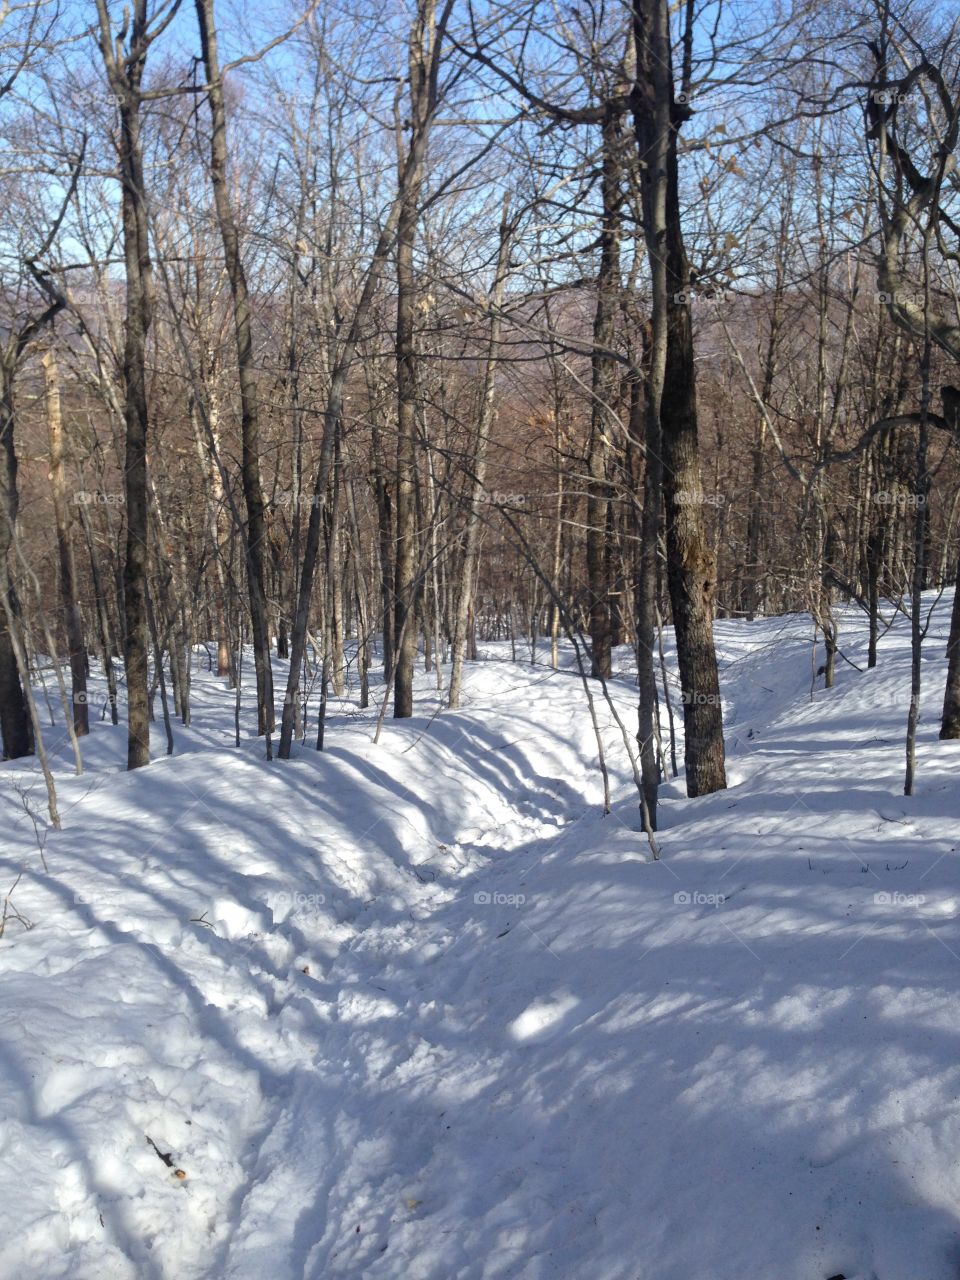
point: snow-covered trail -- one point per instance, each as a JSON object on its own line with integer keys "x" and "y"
{"x": 418, "y": 1012}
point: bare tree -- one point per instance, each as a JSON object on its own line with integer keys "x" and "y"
{"x": 255, "y": 532}
{"x": 73, "y": 622}
{"x": 691, "y": 566}
{"x": 124, "y": 54}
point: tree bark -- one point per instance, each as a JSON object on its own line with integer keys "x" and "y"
{"x": 477, "y": 482}
{"x": 646, "y": 418}
{"x": 604, "y": 394}
{"x": 256, "y": 528}
{"x": 14, "y": 712}
{"x": 406, "y": 583}
{"x": 73, "y": 623}
{"x": 950, "y": 719}
{"x": 691, "y": 566}
{"x": 125, "y": 74}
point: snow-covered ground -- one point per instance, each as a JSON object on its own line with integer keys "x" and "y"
{"x": 418, "y": 1011}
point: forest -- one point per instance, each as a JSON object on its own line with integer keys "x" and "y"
{"x": 498, "y": 324}
{"x": 377, "y": 381}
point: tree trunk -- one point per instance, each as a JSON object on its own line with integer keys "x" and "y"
{"x": 478, "y": 468}
{"x": 950, "y": 719}
{"x": 139, "y": 311}
{"x": 647, "y": 413}
{"x": 921, "y": 491}
{"x": 604, "y": 396}
{"x": 125, "y": 70}
{"x": 108, "y": 645}
{"x": 14, "y": 712}
{"x": 256, "y": 530}
{"x": 73, "y": 623}
{"x": 691, "y": 567}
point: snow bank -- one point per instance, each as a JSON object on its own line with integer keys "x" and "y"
{"x": 419, "y": 1012}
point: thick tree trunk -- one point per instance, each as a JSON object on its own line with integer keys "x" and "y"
{"x": 691, "y": 566}
{"x": 138, "y": 318}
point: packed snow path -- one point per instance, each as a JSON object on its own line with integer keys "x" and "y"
{"x": 417, "y": 1011}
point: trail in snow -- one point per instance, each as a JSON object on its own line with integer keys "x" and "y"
{"x": 419, "y": 1012}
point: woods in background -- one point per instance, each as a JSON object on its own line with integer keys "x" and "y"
{"x": 361, "y": 338}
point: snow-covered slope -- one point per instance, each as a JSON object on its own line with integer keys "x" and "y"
{"x": 417, "y": 1011}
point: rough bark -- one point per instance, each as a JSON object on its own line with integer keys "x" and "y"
{"x": 406, "y": 581}
{"x": 691, "y": 566}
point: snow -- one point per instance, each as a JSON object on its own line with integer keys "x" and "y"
{"x": 418, "y": 1011}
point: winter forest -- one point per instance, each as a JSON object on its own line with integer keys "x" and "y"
{"x": 479, "y": 648}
